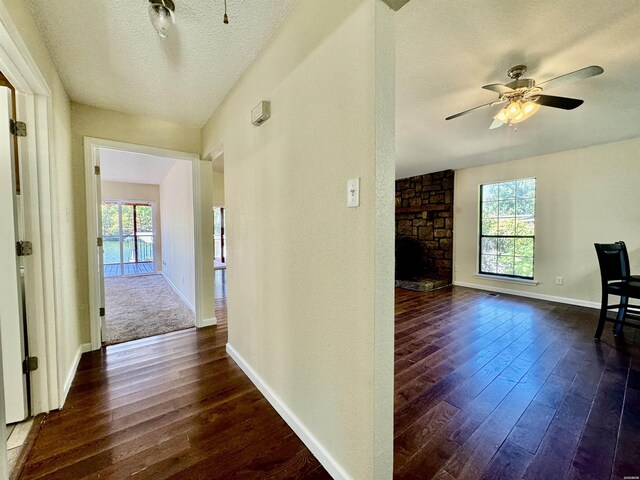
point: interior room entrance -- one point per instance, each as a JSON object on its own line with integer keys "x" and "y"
{"x": 146, "y": 212}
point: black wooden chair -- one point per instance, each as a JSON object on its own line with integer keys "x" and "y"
{"x": 617, "y": 280}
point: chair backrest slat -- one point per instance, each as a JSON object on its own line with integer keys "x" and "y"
{"x": 613, "y": 260}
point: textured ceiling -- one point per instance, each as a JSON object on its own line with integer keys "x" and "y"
{"x": 129, "y": 167}
{"x": 108, "y": 54}
{"x": 446, "y": 51}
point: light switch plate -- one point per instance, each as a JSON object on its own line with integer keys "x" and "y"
{"x": 353, "y": 192}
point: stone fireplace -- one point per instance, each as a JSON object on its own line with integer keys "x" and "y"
{"x": 424, "y": 230}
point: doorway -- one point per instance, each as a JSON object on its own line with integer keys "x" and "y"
{"x": 129, "y": 238}
{"x": 219, "y": 239}
{"x": 178, "y": 252}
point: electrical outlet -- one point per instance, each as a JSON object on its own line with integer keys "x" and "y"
{"x": 559, "y": 280}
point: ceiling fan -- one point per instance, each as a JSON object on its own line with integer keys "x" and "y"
{"x": 523, "y": 97}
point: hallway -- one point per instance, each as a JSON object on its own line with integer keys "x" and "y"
{"x": 174, "y": 405}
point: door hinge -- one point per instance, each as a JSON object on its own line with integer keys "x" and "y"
{"x": 96, "y": 169}
{"x": 103, "y": 312}
{"x": 19, "y": 129}
{"x": 29, "y": 364}
{"x": 100, "y": 242}
{"x": 24, "y": 249}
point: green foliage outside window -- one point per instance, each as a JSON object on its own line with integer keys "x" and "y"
{"x": 144, "y": 235}
{"x": 507, "y": 228}
{"x": 110, "y": 221}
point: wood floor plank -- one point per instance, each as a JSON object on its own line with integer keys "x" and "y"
{"x": 503, "y": 387}
{"x": 492, "y": 387}
{"x": 172, "y": 405}
{"x": 414, "y": 437}
{"x": 627, "y": 458}
{"x": 510, "y": 462}
{"x": 479, "y": 449}
{"x": 446, "y": 376}
{"x": 532, "y": 426}
{"x": 596, "y": 449}
{"x": 557, "y": 449}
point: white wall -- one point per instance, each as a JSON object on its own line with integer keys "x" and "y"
{"x": 139, "y": 192}
{"x": 583, "y": 197}
{"x": 310, "y": 281}
{"x": 178, "y": 254}
{"x": 218, "y": 189}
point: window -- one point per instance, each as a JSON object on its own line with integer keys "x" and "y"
{"x": 507, "y": 228}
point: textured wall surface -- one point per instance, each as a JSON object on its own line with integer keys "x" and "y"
{"x": 178, "y": 254}
{"x": 582, "y": 197}
{"x": 307, "y": 286}
{"x": 424, "y": 213}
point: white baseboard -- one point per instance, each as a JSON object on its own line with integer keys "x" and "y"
{"x": 323, "y": 456}
{"x": 175, "y": 289}
{"x": 85, "y": 347}
{"x": 538, "y": 296}
{"x": 208, "y": 322}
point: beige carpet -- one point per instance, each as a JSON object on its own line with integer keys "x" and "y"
{"x": 143, "y": 306}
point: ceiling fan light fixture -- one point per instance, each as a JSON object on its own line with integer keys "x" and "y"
{"x": 502, "y": 116}
{"x": 517, "y": 111}
{"x": 513, "y": 110}
{"x": 530, "y": 108}
{"x": 524, "y": 97}
{"x": 162, "y": 15}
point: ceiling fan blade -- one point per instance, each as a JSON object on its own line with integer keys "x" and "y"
{"x": 474, "y": 108}
{"x": 498, "y": 88}
{"x": 581, "y": 74}
{"x": 558, "y": 102}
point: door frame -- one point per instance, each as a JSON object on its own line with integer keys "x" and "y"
{"x": 203, "y": 225}
{"x": 34, "y": 106}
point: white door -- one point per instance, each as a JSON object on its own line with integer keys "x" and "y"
{"x": 11, "y": 307}
{"x": 4, "y": 471}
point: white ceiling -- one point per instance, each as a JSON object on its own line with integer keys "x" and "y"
{"x": 108, "y": 54}
{"x": 447, "y": 50}
{"x": 128, "y": 167}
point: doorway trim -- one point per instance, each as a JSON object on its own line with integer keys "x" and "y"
{"x": 203, "y": 250}
{"x": 34, "y": 106}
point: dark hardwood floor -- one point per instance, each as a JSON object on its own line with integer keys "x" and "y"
{"x": 501, "y": 387}
{"x": 487, "y": 387}
{"x": 172, "y": 406}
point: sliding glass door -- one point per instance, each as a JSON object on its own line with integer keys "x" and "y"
{"x": 128, "y": 238}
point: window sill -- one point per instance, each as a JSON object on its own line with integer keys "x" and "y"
{"x": 505, "y": 279}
